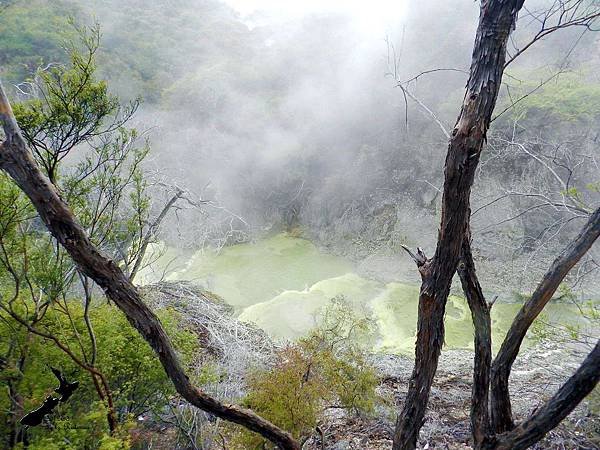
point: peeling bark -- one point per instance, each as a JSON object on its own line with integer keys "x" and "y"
{"x": 497, "y": 19}
{"x": 17, "y": 161}
{"x": 480, "y": 312}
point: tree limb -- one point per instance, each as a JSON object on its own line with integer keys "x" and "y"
{"x": 151, "y": 232}
{"x": 17, "y": 161}
{"x": 497, "y": 20}
{"x": 424, "y": 107}
{"x": 500, "y": 400}
{"x": 556, "y": 409}
{"x": 567, "y": 15}
{"x": 480, "y": 312}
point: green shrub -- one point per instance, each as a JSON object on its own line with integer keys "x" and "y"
{"x": 136, "y": 377}
{"x": 327, "y": 369}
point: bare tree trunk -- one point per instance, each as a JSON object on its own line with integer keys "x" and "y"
{"x": 581, "y": 384}
{"x": 556, "y": 409}
{"x": 502, "y": 419}
{"x": 480, "y": 312}
{"x": 496, "y": 21}
{"x": 18, "y": 162}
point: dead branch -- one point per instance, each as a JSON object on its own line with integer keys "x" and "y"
{"x": 501, "y": 409}
{"x": 562, "y": 14}
{"x": 556, "y": 409}
{"x": 17, "y": 161}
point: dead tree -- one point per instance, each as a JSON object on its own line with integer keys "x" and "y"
{"x": 16, "y": 159}
{"x": 492, "y": 427}
{"x": 500, "y": 401}
{"x": 497, "y": 19}
{"x": 492, "y": 422}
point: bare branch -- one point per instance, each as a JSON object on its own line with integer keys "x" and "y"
{"x": 419, "y": 259}
{"x": 557, "y": 408}
{"x": 424, "y": 107}
{"x": 151, "y": 232}
{"x": 501, "y": 408}
{"x": 18, "y": 162}
{"x": 562, "y": 14}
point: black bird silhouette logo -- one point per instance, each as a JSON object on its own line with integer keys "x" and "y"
{"x": 36, "y": 416}
{"x": 65, "y": 389}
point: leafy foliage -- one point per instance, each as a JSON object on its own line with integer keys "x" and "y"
{"x": 567, "y": 97}
{"x": 66, "y": 106}
{"x": 32, "y": 36}
{"x": 135, "y": 375}
{"x": 324, "y": 370}
{"x": 50, "y": 313}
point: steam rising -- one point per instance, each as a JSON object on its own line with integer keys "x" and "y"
{"x": 285, "y": 114}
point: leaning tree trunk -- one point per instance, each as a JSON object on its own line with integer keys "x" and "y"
{"x": 482, "y": 323}
{"x": 485, "y": 423}
{"x": 497, "y": 19}
{"x": 554, "y": 410}
{"x": 501, "y": 413}
{"x": 17, "y": 161}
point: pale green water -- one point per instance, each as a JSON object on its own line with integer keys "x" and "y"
{"x": 282, "y": 282}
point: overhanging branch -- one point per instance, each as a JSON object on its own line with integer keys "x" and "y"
{"x": 17, "y": 161}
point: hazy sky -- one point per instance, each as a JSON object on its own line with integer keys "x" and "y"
{"x": 373, "y": 16}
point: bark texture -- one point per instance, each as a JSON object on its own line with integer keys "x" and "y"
{"x": 555, "y": 410}
{"x": 533, "y": 429}
{"x": 17, "y": 161}
{"x": 480, "y": 312}
{"x": 502, "y": 419}
{"x": 497, "y": 19}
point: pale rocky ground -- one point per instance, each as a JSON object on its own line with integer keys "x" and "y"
{"x": 536, "y": 375}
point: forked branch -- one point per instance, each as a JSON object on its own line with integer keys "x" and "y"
{"x": 501, "y": 408}
{"x": 556, "y": 409}
{"x": 17, "y": 161}
{"x": 562, "y": 14}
